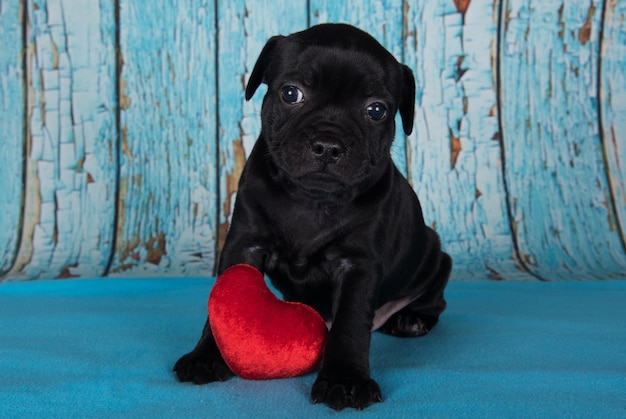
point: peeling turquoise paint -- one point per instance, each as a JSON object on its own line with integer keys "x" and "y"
{"x": 554, "y": 162}
{"x": 137, "y": 129}
{"x": 168, "y": 184}
{"x": 455, "y": 158}
{"x": 70, "y": 134}
{"x": 613, "y": 104}
{"x": 11, "y": 137}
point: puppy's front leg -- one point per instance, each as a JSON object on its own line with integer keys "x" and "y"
{"x": 344, "y": 378}
{"x": 204, "y": 364}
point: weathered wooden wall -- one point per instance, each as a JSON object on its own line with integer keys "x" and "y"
{"x": 123, "y": 129}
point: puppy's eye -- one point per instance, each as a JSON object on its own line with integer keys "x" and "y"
{"x": 376, "y": 111}
{"x": 291, "y": 95}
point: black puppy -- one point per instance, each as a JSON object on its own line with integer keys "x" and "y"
{"x": 323, "y": 211}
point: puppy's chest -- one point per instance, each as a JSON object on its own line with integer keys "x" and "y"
{"x": 304, "y": 248}
{"x": 302, "y": 274}
{"x": 297, "y": 253}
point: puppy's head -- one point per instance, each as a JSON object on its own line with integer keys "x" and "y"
{"x": 328, "y": 115}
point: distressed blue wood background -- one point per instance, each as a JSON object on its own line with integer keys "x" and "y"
{"x": 123, "y": 129}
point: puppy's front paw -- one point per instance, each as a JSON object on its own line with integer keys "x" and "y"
{"x": 201, "y": 368}
{"x": 345, "y": 390}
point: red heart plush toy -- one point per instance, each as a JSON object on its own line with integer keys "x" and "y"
{"x": 260, "y": 336}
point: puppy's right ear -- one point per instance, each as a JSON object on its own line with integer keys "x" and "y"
{"x": 259, "y": 73}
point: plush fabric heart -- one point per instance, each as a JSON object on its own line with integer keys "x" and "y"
{"x": 260, "y": 336}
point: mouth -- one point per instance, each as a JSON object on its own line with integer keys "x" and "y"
{"x": 320, "y": 184}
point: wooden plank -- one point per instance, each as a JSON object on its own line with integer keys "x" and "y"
{"x": 613, "y": 102}
{"x": 555, "y": 171}
{"x": 455, "y": 154}
{"x": 11, "y": 125}
{"x": 243, "y": 29}
{"x": 383, "y": 20}
{"x": 168, "y": 181}
{"x": 70, "y": 166}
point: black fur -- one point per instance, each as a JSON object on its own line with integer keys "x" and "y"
{"x": 323, "y": 211}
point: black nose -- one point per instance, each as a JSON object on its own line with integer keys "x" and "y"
{"x": 327, "y": 150}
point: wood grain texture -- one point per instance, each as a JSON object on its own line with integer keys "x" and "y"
{"x": 455, "y": 155}
{"x": 11, "y": 130}
{"x": 70, "y": 166}
{"x": 518, "y": 153}
{"x": 383, "y": 20}
{"x": 243, "y": 29}
{"x": 560, "y": 197}
{"x": 613, "y": 102}
{"x": 167, "y": 202}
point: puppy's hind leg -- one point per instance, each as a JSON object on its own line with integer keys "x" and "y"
{"x": 419, "y": 317}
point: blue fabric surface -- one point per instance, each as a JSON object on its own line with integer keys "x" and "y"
{"x": 105, "y": 347}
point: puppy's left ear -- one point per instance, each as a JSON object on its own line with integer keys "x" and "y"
{"x": 259, "y": 73}
{"x": 407, "y": 99}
